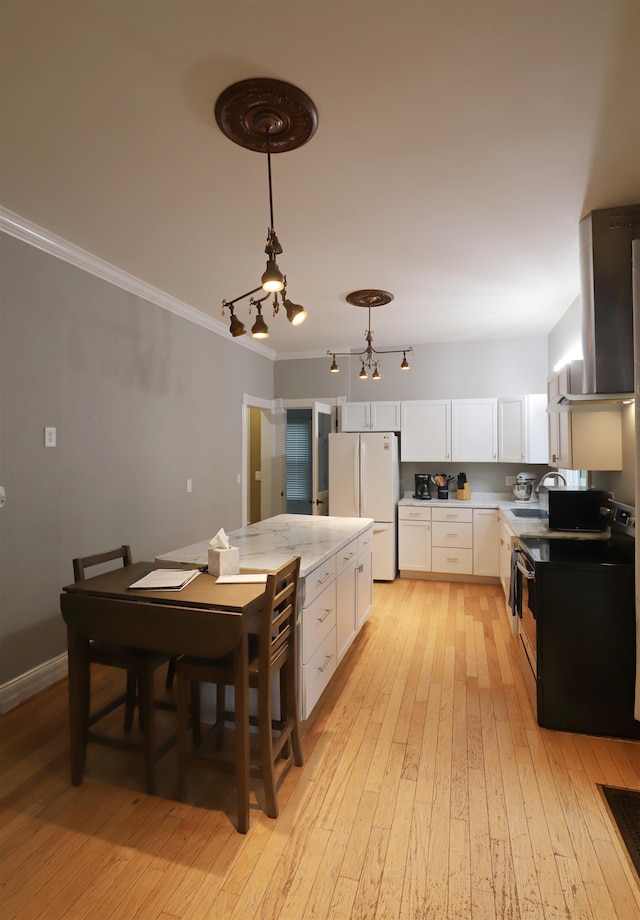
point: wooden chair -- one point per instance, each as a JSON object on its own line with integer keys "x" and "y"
{"x": 273, "y": 652}
{"x": 140, "y": 666}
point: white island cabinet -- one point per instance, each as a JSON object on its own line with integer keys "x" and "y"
{"x": 331, "y": 610}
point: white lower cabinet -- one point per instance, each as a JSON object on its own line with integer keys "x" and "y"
{"x": 486, "y": 542}
{"x": 414, "y": 538}
{"x": 338, "y": 596}
{"x": 346, "y": 597}
{"x": 318, "y": 671}
{"x": 364, "y": 579}
{"x": 452, "y": 540}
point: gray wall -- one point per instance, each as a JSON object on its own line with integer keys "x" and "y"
{"x": 141, "y": 399}
{"x": 454, "y": 370}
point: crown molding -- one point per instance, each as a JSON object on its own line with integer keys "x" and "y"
{"x": 23, "y": 229}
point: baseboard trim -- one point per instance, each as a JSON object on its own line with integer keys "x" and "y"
{"x": 21, "y": 688}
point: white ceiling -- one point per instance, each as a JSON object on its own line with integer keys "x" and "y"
{"x": 458, "y": 145}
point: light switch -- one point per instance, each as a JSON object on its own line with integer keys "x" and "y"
{"x": 50, "y": 437}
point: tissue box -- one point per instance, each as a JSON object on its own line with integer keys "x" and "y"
{"x": 224, "y": 561}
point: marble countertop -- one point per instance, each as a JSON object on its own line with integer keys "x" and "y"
{"x": 477, "y": 500}
{"x": 269, "y": 544}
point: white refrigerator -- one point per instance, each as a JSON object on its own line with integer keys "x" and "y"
{"x": 364, "y": 481}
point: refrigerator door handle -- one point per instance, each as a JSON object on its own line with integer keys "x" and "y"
{"x": 363, "y": 493}
{"x": 356, "y": 454}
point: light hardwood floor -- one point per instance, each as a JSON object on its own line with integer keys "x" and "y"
{"x": 428, "y": 791}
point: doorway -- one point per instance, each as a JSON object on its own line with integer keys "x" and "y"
{"x": 264, "y": 457}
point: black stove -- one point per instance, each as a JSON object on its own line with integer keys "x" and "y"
{"x": 577, "y": 628}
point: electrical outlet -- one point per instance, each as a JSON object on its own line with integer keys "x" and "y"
{"x": 50, "y": 437}
{"x": 510, "y": 480}
{"x": 189, "y": 485}
{"x": 2, "y": 496}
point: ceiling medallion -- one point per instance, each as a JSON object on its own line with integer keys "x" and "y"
{"x": 368, "y": 298}
{"x": 253, "y": 110}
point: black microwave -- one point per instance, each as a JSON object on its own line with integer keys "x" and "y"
{"x": 573, "y": 509}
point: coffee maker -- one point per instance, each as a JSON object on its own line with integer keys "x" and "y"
{"x": 423, "y": 481}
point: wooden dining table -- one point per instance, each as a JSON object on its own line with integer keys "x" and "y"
{"x": 203, "y": 619}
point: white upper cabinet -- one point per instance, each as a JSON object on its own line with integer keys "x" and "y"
{"x": 474, "y": 430}
{"x": 590, "y": 440}
{"x": 370, "y": 416}
{"x": 425, "y": 432}
{"x": 523, "y": 429}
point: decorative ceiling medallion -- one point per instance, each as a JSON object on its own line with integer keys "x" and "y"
{"x": 370, "y": 297}
{"x": 249, "y": 111}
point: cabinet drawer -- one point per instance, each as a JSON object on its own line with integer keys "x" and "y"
{"x": 317, "y": 581}
{"x": 451, "y": 534}
{"x": 411, "y": 513}
{"x": 365, "y": 541}
{"x": 346, "y": 556}
{"x": 452, "y": 560}
{"x": 318, "y": 671}
{"x": 464, "y": 515}
{"x": 318, "y": 619}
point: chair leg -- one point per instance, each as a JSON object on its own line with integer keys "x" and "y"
{"x": 291, "y": 710}
{"x": 266, "y": 750}
{"x": 132, "y": 699}
{"x": 171, "y": 673}
{"x": 181, "y": 747}
{"x": 196, "y": 722}
{"x": 146, "y": 702}
{"x": 220, "y": 711}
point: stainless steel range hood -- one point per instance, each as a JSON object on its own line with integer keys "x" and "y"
{"x": 607, "y": 311}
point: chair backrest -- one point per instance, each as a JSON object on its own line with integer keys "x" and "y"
{"x": 278, "y": 623}
{"x": 86, "y": 562}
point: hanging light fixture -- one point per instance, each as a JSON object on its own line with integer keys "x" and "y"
{"x": 267, "y": 116}
{"x": 370, "y": 298}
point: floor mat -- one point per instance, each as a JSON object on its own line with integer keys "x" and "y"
{"x": 625, "y": 808}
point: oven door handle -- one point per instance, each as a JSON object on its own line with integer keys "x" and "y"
{"x": 528, "y": 574}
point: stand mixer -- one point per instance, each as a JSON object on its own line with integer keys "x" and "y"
{"x": 523, "y": 488}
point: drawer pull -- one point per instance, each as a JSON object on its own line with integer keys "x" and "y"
{"x": 346, "y": 558}
{"x": 452, "y": 558}
{"x": 453, "y": 535}
{"x": 326, "y": 663}
{"x": 327, "y": 611}
{"x": 322, "y": 580}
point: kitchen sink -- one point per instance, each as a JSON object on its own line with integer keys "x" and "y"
{"x": 527, "y": 513}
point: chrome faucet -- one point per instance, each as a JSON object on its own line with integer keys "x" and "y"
{"x": 556, "y": 476}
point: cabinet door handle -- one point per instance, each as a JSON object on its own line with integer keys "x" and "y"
{"x": 326, "y": 662}
{"x": 328, "y": 610}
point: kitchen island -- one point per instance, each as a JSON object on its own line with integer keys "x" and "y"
{"x": 336, "y": 583}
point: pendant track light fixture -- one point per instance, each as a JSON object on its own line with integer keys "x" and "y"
{"x": 368, "y": 356}
{"x": 267, "y": 116}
